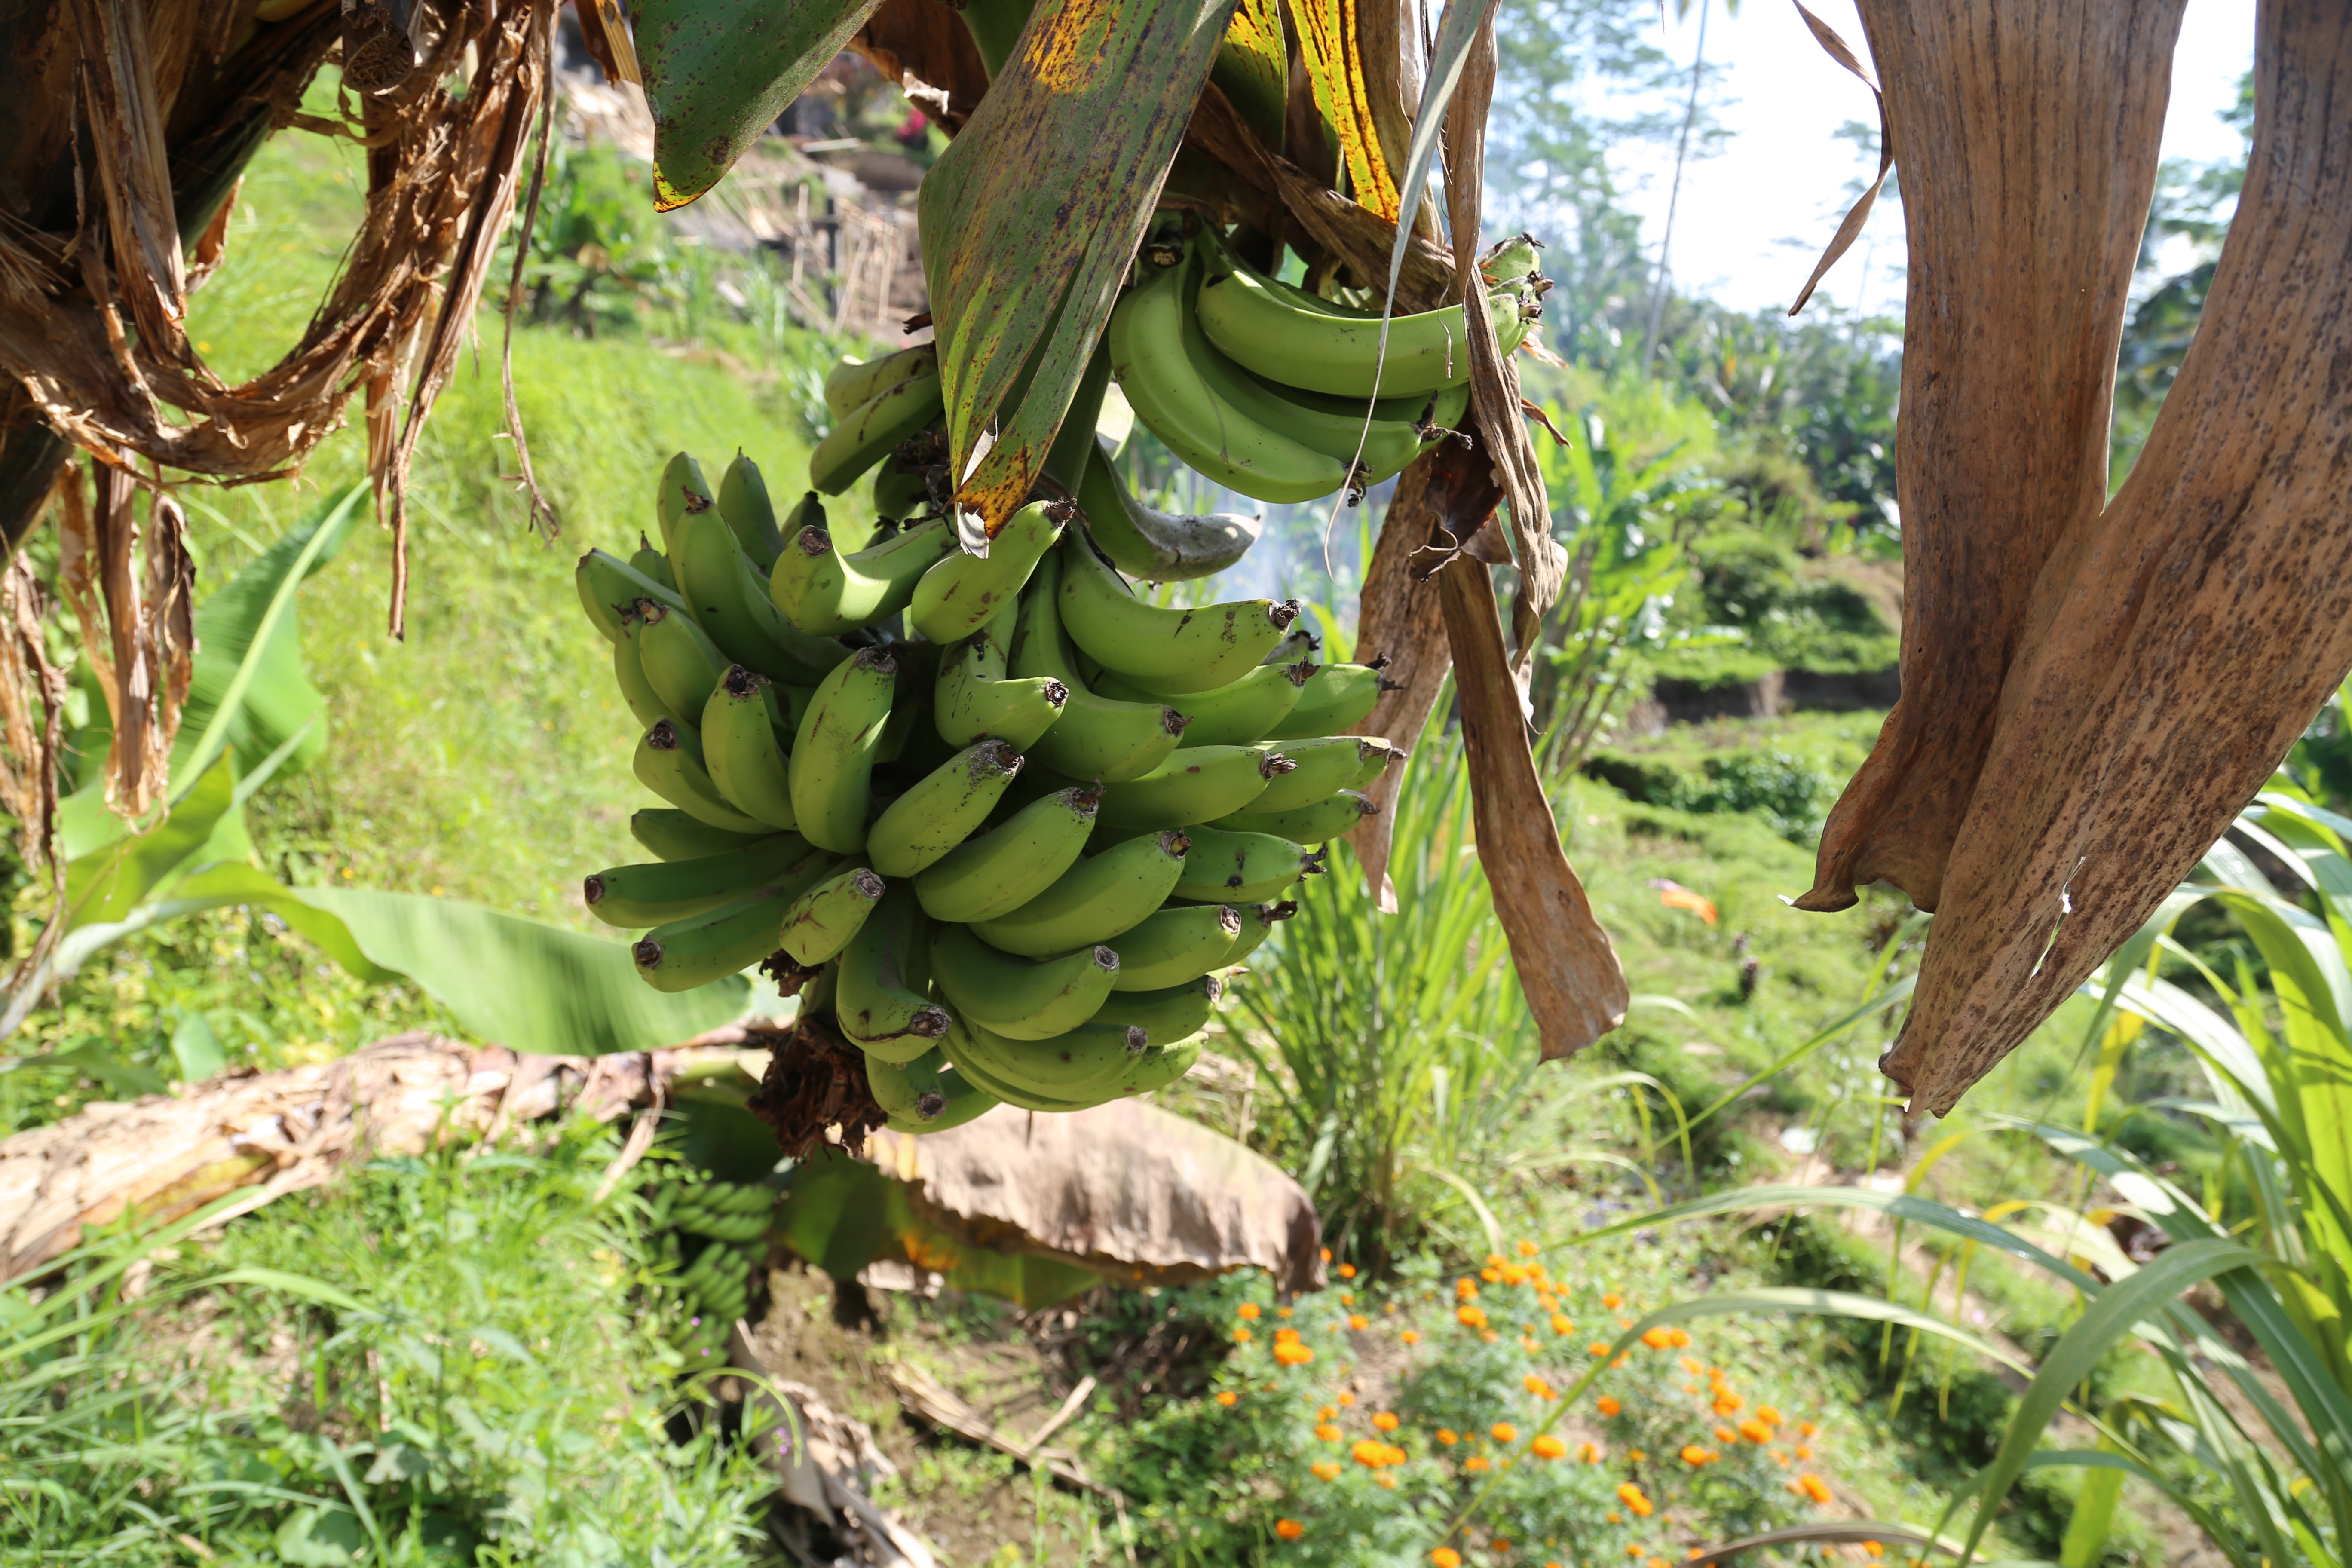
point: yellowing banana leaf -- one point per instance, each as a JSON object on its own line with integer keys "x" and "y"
{"x": 1031, "y": 217}
{"x": 1253, "y": 67}
{"x": 717, "y": 72}
{"x": 842, "y": 1214}
{"x": 1332, "y": 44}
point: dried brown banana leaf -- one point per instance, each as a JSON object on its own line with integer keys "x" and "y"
{"x": 2029, "y": 156}
{"x": 1399, "y": 621}
{"x": 2177, "y": 645}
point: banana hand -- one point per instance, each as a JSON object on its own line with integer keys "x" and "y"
{"x": 1171, "y": 650}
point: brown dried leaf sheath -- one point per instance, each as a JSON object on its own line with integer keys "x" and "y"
{"x": 2175, "y": 645}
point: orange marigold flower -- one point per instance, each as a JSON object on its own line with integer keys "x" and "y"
{"x": 1624, "y": 1322}
{"x": 1387, "y": 1481}
{"x": 1369, "y": 1453}
{"x": 1346, "y": 1400}
{"x": 1464, "y": 1289}
{"x": 1513, "y": 1274}
{"x": 1448, "y": 1435}
{"x": 1491, "y": 1275}
{"x": 1289, "y": 1529}
{"x": 1682, "y": 1337}
{"x": 1620, "y": 1519}
{"x": 1607, "y": 1404}
{"x": 1248, "y": 1309}
{"x": 1621, "y": 1360}
{"x": 1690, "y": 1388}
{"x": 1694, "y": 1455}
{"x": 1292, "y": 1353}
{"x": 1324, "y": 1470}
{"x": 1804, "y": 1451}
{"x": 1286, "y": 1336}
{"x": 1689, "y": 1365}
{"x": 1537, "y": 1386}
{"x": 1411, "y": 1336}
{"x": 1329, "y": 1432}
{"x": 1471, "y": 1317}
{"x": 1243, "y": 1336}
{"x": 1656, "y": 1562}
{"x": 1597, "y": 1348}
{"x": 1503, "y": 1432}
{"x": 1726, "y": 1401}
{"x": 1874, "y": 1548}
{"x": 1346, "y": 1297}
{"x": 1659, "y": 1339}
{"x": 1228, "y": 1398}
{"x": 1327, "y": 1254}
{"x": 1475, "y": 1463}
{"x": 1384, "y": 1422}
{"x": 1397, "y": 1456}
{"x": 1806, "y": 1428}
{"x": 1768, "y": 1415}
{"x": 1490, "y": 1336}
{"x": 1612, "y": 1300}
{"x": 1755, "y": 1431}
{"x": 1327, "y": 1414}
{"x": 1634, "y": 1456}
{"x": 1358, "y": 1322}
{"x": 1446, "y": 1557}
{"x": 1560, "y": 1324}
{"x": 1282, "y": 1311}
{"x": 1347, "y": 1271}
{"x": 1633, "y": 1497}
{"x": 1549, "y": 1448}
{"x": 1590, "y": 1453}
{"x": 1527, "y": 1248}
{"x": 1814, "y": 1487}
{"x": 1726, "y": 1433}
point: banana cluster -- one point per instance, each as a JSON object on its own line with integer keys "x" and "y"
{"x": 1264, "y": 386}
{"x": 713, "y": 1235}
{"x": 1013, "y": 823}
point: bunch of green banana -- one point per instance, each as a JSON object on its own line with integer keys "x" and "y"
{"x": 713, "y": 1235}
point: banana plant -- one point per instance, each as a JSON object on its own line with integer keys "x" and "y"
{"x": 253, "y": 714}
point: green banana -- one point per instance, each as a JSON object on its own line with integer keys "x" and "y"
{"x": 682, "y": 665}
{"x": 664, "y": 890}
{"x": 666, "y": 763}
{"x": 821, "y": 921}
{"x": 852, "y": 383}
{"x": 1373, "y": 756}
{"x": 1166, "y": 1014}
{"x": 1233, "y": 714}
{"x": 901, "y": 493}
{"x": 1066, "y": 1065}
{"x": 919, "y": 1096}
{"x": 741, "y": 750}
{"x": 883, "y": 1003}
{"x": 710, "y": 946}
{"x": 1021, "y": 999}
{"x": 629, "y": 672}
{"x": 1285, "y": 340}
{"x": 1257, "y": 924}
{"x": 1177, "y": 945}
{"x": 974, "y": 696}
{"x": 1195, "y": 786}
{"x": 823, "y": 592}
{"x": 1337, "y": 697}
{"x": 683, "y": 493}
{"x": 1298, "y": 645}
{"x": 1004, "y": 869}
{"x": 647, "y": 561}
{"x": 872, "y": 428}
{"x": 942, "y": 809}
{"x": 1158, "y": 369}
{"x": 1094, "y": 900}
{"x": 730, "y": 599}
{"x": 1154, "y": 545}
{"x": 970, "y": 1053}
{"x": 672, "y": 835}
{"x": 1318, "y": 767}
{"x": 1319, "y": 822}
{"x": 751, "y": 515}
{"x": 1157, "y": 1068}
{"x": 1096, "y": 737}
{"x": 831, "y": 771}
{"x": 1173, "y": 650}
{"x": 608, "y": 586}
{"x": 1517, "y": 258}
{"x": 1242, "y": 867}
{"x": 961, "y": 594}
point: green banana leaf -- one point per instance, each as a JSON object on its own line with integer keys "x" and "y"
{"x": 717, "y": 72}
{"x": 840, "y": 1215}
{"x": 1031, "y": 215}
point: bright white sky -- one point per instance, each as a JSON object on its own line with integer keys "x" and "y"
{"x": 1753, "y": 220}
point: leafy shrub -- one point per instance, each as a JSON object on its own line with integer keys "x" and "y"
{"x": 1784, "y": 790}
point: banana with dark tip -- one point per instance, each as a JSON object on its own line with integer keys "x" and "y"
{"x": 1096, "y": 737}
{"x": 1095, "y": 901}
{"x": 1173, "y": 650}
{"x": 1233, "y": 714}
{"x": 667, "y": 765}
{"x": 729, "y": 597}
{"x": 1242, "y": 867}
{"x": 1176, "y": 946}
{"x": 819, "y": 924}
{"x": 1257, "y": 924}
{"x": 1166, "y": 1014}
{"x": 1004, "y": 869}
{"x": 962, "y": 594}
{"x": 969, "y": 1051}
{"x": 832, "y": 765}
{"x": 682, "y": 665}
{"x": 976, "y": 696}
{"x": 629, "y": 674}
{"x": 1018, "y": 998}
{"x": 1335, "y": 700}
{"x": 869, "y": 431}
{"x": 941, "y": 810}
{"x": 743, "y": 502}
{"x": 694, "y": 951}
{"x": 1197, "y": 784}
{"x": 741, "y": 750}
{"x": 1318, "y": 767}
{"x": 823, "y": 593}
{"x": 1318, "y": 822}
{"x": 608, "y": 586}
{"x": 925, "y": 1095}
{"x": 850, "y": 383}
{"x": 1066, "y": 1065}
{"x": 647, "y": 561}
{"x": 663, "y": 890}
{"x": 682, "y": 492}
{"x": 882, "y": 999}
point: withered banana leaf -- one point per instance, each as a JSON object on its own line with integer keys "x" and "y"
{"x": 1031, "y": 217}
{"x": 2177, "y": 645}
{"x": 1253, "y": 67}
{"x": 1332, "y": 44}
{"x": 717, "y": 72}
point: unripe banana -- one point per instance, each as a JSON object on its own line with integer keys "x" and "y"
{"x": 872, "y": 428}
{"x": 1298, "y": 645}
{"x": 1068, "y": 1065}
{"x": 1157, "y": 1068}
{"x": 629, "y": 674}
{"x": 1174, "y": 651}
{"x": 1176, "y": 946}
{"x": 682, "y": 493}
{"x": 1154, "y": 545}
{"x": 1167, "y": 1014}
{"x": 883, "y": 1000}
{"x": 1334, "y": 700}
{"x": 741, "y": 750}
{"x": 1004, "y": 869}
{"x": 681, "y": 664}
{"x": 924, "y": 1096}
{"x": 1319, "y": 768}
{"x": 1242, "y": 867}
{"x": 942, "y": 809}
{"x": 1096, "y": 737}
{"x": 1095, "y": 901}
{"x": 833, "y": 756}
{"x": 1319, "y": 822}
{"x": 664, "y": 890}
{"x": 1373, "y": 756}
{"x": 1233, "y": 714}
{"x": 850, "y": 382}
{"x": 824, "y": 592}
{"x": 664, "y": 764}
{"x": 674, "y": 836}
{"x": 821, "y": 921}
{"x": 743, "y": 502}
{"x": 970, "y": 1053}
{"x": 728, "y": 598}
{"x": 963, "y": 593}
{"x": 608, "y": 586}
{"x": 976, "y": 696}
{"x": 695, "y": 952}
{"x": 900, "y": 494}
{"x": 1197, "y": 784}
{"x": 1257, "y": 924}
{"x": 650, "y": 563}
{"x": 1016, "y": 997}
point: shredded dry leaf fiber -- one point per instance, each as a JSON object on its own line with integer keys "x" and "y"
{"x": 2178, "y": 644}
{"x": 2027, "y": 137}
